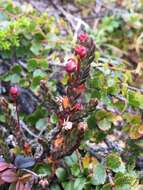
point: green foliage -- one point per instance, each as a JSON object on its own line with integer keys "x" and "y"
{"x": 43, "y": 170}
{"x": 99, "y": 175}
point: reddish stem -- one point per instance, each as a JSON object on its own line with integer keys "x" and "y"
{"x": 17, "y": 114}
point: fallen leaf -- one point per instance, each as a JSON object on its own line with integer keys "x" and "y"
{"x": 66, "y": 103}
{"x": 134, "y": 132}
{"x": 58, "y": 142}
{"x": 140, "y": 129}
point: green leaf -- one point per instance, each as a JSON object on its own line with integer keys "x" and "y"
{"x": 121, "y": 168}
{"x": 75, "y": 170}
{"x": 35, "y": 116}
{"x": 61, "y": 174}
{"x": 92, "y": 122}
{"x": 99, "y": 175}
{"x": 71, "y": 160}
{"x": 53, "y": 118}
{"x": 107, "y": 187}
{"x": 35, "y": 48}
{"x": 113, "y": 161}
{"x": 41, "y": 124}
{"x": 135, "y": 99}
{"x": 122, "y": 180}
{"x": 43, "y": 64}
{"x": 39, "y": 36}
{"x": 123, "y": 187}
{"x": 2, "y": 117}
{"x": 79, "y": 183}
{"x": 55, "y": 187}
{"x": 32, "y": 65}
{"x": 104, "y": 124}
{"x": 39, "y": 73}
{"x": 13, "y": 78}
{"x": 68, "y": 185}
{"x": 43, "y": 170}
{"x": 16, "y": 69}
{"x": 36, "y": 82}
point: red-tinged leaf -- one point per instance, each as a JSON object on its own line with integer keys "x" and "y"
{"x": 19, "y": 186}
{"x": 3, "y": 166}
{"x": 9, "y": 176}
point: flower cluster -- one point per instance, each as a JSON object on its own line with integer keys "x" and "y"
{"x": 66, "y": 125}
{"x": 80, "y": 52}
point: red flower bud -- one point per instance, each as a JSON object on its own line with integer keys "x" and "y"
{"x": 14, "y": 92}
{"x": 71, "y": 65}
{"x": 81, "y": 51}
{"x": 83, "y": 37}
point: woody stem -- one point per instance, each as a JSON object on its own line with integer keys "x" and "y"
{"x": 17, "y": 114}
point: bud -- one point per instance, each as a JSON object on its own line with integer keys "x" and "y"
{"x": 14, "y": 92}
{"x": 83, "y": 37}
{"x": 81, "y": 51}
{"x": 71, "y": 65}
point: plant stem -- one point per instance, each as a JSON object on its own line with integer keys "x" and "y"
{"x": 17, "y": 114}
{"x": 111, "y": 180}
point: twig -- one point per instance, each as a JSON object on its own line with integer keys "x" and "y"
{"x": 57, "y": 64}
{"x": 31, "y": 172}
{"x": 111, "y": 180}
{"x": 17, "y": 114}
{"x": 70, "y": 18}
{"x": 134, "y": 88}
{"x": 77, "y": 30}
{"x": 23, "y": 126}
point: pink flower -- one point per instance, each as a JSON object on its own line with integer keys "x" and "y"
{"x": 71, "y": 65}
{"x": 43, "y": 183}
{"x": 42, "y": 82}
{"x": 83, "y": 37}
{"x": 82, "y": 126}
{"x": 14, "y": 92}
{"x": 68, "y": 125}
{"x": 78, "y": 106}
{"x": 81, "y": 51}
